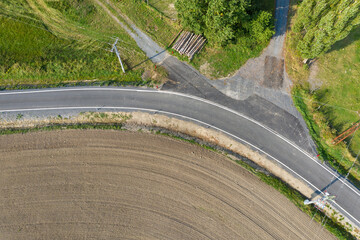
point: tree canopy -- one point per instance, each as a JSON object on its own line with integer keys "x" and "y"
{"x": 321, "y": 23}
{"x": 222, "y": 20}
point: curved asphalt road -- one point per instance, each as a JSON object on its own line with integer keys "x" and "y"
{"x": 204, "y": 112}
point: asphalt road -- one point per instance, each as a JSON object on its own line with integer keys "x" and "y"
{"x": 287, "y": 154}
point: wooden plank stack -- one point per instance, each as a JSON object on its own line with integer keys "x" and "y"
{"x": 189, "y": 43}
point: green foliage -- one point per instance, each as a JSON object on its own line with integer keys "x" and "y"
{"x": 223, "y": 19}
{"x": 191, "y": 13}
{"x": 33, "y": 52}
{"x": 321, "y": 23}
{"x": 216, "y": 62}
{"x": 19, "y": 116}
{"x": 261, "y": 28}
{"x": 150, "y": 20}
{"x": 219, "y": 20}
{"x": 334, "y": 155}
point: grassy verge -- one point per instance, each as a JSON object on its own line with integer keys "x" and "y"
{"x": 293, "y": 195}
{"x": 339, "y": 73}
{"x": 337, "y": 156}
{"x": 137, "y": 81}
{"x": 298, "y": 199}
{"x": 149, "y": 19}
{"x": 334, "y": 106}
{"x": 216, "y": 62}
{"x": 53, "y": 42}
{"x": 297, "y": 70}
{"x": 62, "y": 127}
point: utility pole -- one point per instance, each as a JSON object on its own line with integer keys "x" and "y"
{"x": 117, "y": 53}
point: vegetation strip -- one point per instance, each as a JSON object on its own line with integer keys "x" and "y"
{"x": 326, "y": 94}
{"x": 50, "y": 42}
{"x": 337, "y": 156}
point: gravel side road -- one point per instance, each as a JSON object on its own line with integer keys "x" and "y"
{"x": 272, "y": 107}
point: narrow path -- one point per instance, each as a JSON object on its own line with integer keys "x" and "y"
{"x": 156, "y": 53}
{"x": 271, "y": 107}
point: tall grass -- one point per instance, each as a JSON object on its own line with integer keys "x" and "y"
{"x": 337, "y": 156}
{"x": 65, "y": 41}
{"x": 152, "y": 21}
{"x": 334, "y": 106}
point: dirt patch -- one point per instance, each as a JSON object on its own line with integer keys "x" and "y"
{"x": 315, "y": 83}
{"x": 206, "y": 69}
{"x": 78, "y": 184}
{"x": 273, "y": 72}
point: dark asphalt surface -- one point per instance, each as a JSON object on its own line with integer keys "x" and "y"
{"x": 105, "y": 99}
{"x": 186, "y": 79}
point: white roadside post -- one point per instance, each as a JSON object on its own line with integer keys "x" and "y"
{"x": 117, "y": 54}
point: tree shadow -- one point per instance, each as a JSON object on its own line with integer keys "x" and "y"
{"x": 149, "y": 58}
{"x": 352, "y": 37}
{"x": 317, "y": 192}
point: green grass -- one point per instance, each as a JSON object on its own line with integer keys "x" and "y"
{"x": 295, "y": 67}
{"x": 335, "y": 106}
{"x": 339, "y": 71}
{"x": 337, "y": 156}
{"x": 217, "y": 62}
{"x": 50, "y": 43}
{"x": 226, "y": 60}
{"x": 152, "y": 21}
{"x": 165, "y": 6}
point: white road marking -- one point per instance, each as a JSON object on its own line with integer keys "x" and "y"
{"x": 195, "y": 98}
{"x": 191, "y": 97}
{"x": 189, "y": 118}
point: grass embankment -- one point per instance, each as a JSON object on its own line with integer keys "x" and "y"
{"x": 339, "y": 72}
{"x": 297, "y": 70}
{"x": 151, "y": 20}
{"x": 334, "y": 106}
{"x": 165, "y": 6}
{"x": 116, "y": 121}
{"x": 315, "y": 116}
{"x": 330, "y": 223}
{"x": 53, "y": 42}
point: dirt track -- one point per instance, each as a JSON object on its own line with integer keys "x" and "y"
{"x": 120, "y": 185}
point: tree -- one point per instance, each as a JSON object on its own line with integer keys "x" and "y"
{"x": 261, "y": 28}
{"x": 218, "y": 20}
{"x": 191, "y": 13}
{"x": 224, "y": 18}
{"x": 321, "y": 23}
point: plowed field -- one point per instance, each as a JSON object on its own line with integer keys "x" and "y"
{"x": 96, "y": 184}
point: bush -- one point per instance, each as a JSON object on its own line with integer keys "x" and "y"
{"x": 261, "y": 28}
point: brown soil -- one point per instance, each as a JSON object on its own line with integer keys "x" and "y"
{"x": 120, "y": 185}
{"x": 274, "y": 72}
